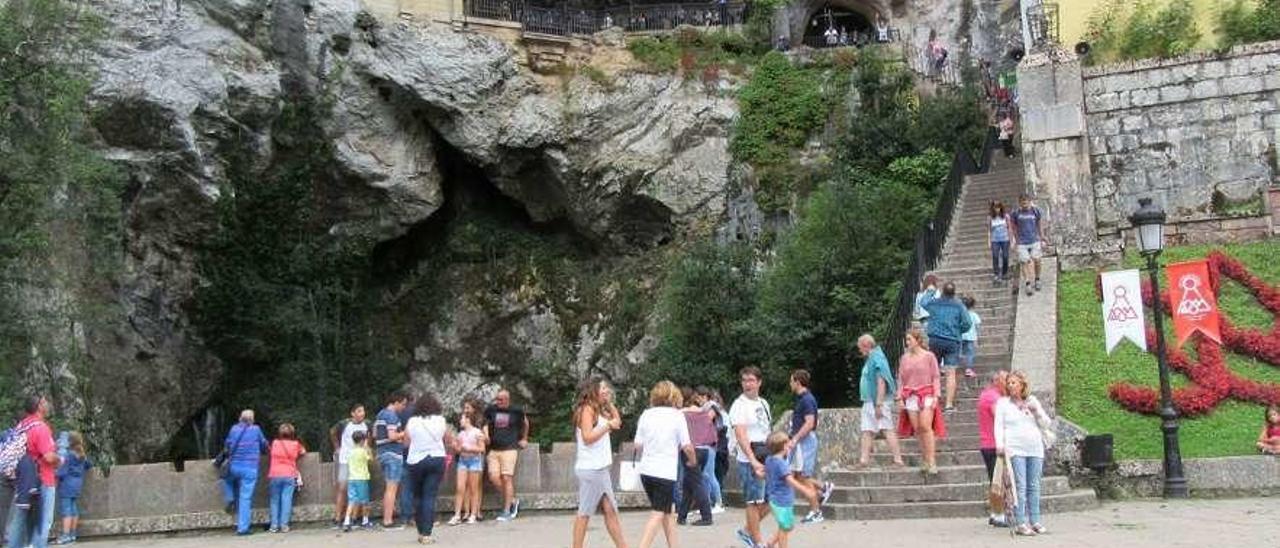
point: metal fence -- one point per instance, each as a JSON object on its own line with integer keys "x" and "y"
{"x": 564, "y": 21}
{"x": 930, "y": 242}
{"x": 502, "y": 10}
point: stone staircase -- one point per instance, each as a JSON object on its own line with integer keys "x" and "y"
{"x": 959, "y": 489}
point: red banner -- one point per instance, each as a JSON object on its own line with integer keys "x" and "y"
{"x": 1195, "y": 307}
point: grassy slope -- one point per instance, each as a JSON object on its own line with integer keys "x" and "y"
{"x": 1085, "y": 371}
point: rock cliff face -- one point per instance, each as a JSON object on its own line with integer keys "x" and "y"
{"x": 417, "y": 114}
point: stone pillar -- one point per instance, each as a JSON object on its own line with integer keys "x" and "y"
{"x": 1055, "y": 155}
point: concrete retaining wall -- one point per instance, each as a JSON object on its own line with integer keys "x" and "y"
{"x": 155, "y": 498}
{"x": 1212, "y": 477}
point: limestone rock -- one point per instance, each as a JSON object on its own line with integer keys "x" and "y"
{"x": 179, "y": 96}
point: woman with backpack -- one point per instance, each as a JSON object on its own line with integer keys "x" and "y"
{"x": 242, "y": 450}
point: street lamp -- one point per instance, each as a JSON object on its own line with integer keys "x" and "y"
{"x": 1149, "y": 222}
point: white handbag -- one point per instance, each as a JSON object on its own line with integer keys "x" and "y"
{"x": 629, "y": 474}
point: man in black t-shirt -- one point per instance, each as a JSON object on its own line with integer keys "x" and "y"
{"x": 507, "y": 428}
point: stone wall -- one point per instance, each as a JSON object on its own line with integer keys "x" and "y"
{"x": 1182, "y": 131}
{"x": 1197, "y": 133}
{"x": 156, "y": 498}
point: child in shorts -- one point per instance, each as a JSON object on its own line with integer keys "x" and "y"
{"x": 358, "y": 482}
{"x": 70, "y": 483}
{"x": 470, "y": 446}
{"x": 969, "y": 339}
{"x": 780, "y": 488}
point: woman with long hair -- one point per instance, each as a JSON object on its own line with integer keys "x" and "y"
{"x": 663, "y": 436}
{"x": 594, "y": 419}
{"x": 469, "y": 445}
{"x": 999, "y": 238}
{"x": 920, "y": 385}
{"x": 427, "y": 435}
{"x": 1019, "y": 416}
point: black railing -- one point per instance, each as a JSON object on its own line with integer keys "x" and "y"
{"x": 502, "y": 10}
{"x": 564, "y": 21}
{"x": 930, "y": 242}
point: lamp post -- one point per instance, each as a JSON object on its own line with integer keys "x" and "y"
{"x": 1149, "y": 222}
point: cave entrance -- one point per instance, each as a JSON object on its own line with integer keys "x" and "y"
{"x": 835, "y": 26}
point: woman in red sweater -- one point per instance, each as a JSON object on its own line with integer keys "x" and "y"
{"x": 919, "y": 385}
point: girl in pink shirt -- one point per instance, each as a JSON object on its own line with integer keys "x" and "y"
{"x": 284, "y": 476}
{"x": 919, "y": 385}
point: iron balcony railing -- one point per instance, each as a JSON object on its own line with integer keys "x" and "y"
{"x": 564, "y": 21}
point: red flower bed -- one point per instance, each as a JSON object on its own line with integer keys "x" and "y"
{"x": 1211, "y": 380}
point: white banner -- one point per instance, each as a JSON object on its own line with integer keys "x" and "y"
{"x": 1122, "y": 309}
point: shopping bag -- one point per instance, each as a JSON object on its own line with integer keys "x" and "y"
{"x": 995, "y": 495}
{"x": 629, "y": 475}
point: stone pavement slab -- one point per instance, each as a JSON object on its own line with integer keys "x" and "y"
{"x": 1136, "y": 524}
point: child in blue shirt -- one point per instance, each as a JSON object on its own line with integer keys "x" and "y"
{"x": 70, "y": 483}
{"x": 780, "y": 488}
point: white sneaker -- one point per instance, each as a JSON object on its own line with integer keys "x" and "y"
{"x": 827, "y": 489}
{"x": 717, "y": 509}
{"x": 813, "y": 517}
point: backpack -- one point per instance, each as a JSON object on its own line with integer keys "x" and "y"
{"x": 12, "y": 449}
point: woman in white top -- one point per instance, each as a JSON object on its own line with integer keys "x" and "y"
{"x": 1017, "y": 432}
{"x": 427, "y": 434}
{"x": 662, "y": 434}
{"x": 594, "y": 417}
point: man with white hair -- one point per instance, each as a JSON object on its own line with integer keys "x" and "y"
{"x": 876, "y": 389}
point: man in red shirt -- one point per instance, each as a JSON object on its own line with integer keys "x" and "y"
{"x": 41, "y": 449}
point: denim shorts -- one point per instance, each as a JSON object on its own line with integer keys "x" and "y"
{"x": 392, "y": 466}
{"x": 804, "y": 458}
{"x": 752, "y": 486}
{"x": 69, "y": 507}
{"x": 947, "y": 350}
{"x": 358, "y": 492}
{"x": 473, "y": 463}
{"x": 968, "y": 350}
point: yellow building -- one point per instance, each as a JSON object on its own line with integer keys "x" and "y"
{"x": 1074, "y": 16}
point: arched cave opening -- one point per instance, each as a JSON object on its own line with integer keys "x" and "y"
{"x": 848, "y": 27}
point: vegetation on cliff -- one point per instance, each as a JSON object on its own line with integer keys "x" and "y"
{"x": 59, "y": 213}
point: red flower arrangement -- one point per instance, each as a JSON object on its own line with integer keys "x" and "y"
{"x": 1211, "y": 380}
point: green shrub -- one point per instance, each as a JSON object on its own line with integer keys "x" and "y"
{"x": 828, "y": 282}
{"x": 1245, "y": 21}
{"x": 706, "y": 309}
{"x": 779, "y": 108}
{"x": 1120, "y": 30}
{"x": 657, "y": 54}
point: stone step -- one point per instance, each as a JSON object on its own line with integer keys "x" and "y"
{"x": 947, "y": 444}
{"x": 976, "y": 491}
{"x": 909, "y": 476}
{"x": 1080, "y": 499}
{"x": 943, "y": 458}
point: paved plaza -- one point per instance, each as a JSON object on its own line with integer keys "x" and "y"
{"x": 1242, "y": 522}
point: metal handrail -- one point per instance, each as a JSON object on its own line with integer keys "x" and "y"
{"x": 930, "y": 243}
{"x": 565, "y": 21}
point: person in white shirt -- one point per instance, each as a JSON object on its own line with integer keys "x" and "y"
{"x": 662, "y": 435}
{"x": 1018, "y": 421}
{"x": 752, "y": 423}
{"x": 340, "y": 438}
{"x": 594, "y": 418}
{"x": 427, "y": 434}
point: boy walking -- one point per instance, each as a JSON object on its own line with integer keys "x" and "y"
{"x": 751, "y": 422}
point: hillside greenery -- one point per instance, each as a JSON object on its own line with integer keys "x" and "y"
{"x": 60, "y": 229}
